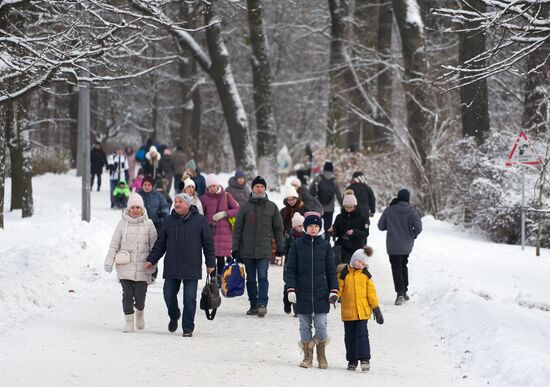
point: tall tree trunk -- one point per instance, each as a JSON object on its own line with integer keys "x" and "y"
{"x": 385, "y": 77}
{"x": 20, "y": 157}
{"x": 3, "y": 150}
{"x": 473, "y": 97}
{"x": 419, "y": 105}
{"x": 233, "y": 109}
{"x": 27, "y": 204}
{"x": 336, "y": 125}
{"x": 537, "y": 87}
{"x": 266, "y": 138}
{"x": 365, "y": 35}
{"x": 16, "y": 157}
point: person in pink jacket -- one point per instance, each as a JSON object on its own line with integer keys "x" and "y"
{"x": 218, "y": 205}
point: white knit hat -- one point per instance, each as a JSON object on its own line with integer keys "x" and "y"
{"x": 135, "y": 199}
{"x": 349, "y": 200}
{"x": 295, "y": 182}
{"x": 360, "y": 255}
{"x": 297, "y": 220}
{"x": 291, "y": 193}
{"x": 212, "y": 180}
{"x": 189, "y": 183}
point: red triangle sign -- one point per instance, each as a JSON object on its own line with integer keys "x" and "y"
{"x": 522, "y": 152}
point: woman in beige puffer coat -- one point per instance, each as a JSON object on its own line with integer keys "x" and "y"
{"x": 135, "y": 234}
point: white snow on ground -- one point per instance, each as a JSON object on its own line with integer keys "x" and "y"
{"x": 478, "y": 314}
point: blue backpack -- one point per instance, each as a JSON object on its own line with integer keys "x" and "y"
{"x": 232, "y": 279}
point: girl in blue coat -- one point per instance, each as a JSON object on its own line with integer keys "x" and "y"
{"x": 312, "y": 285}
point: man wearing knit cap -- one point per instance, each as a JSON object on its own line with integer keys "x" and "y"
{"x": 184, "y": 236}
{"x": 364, "y": 194}
{"x": 257, "y": 223}
{"x": 326, "y": 190}
{"x": 403, "y": 225}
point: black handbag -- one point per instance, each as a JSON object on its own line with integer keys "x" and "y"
{"x": 210, "y": 298}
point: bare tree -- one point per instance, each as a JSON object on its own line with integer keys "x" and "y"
{"x": 266, "y": 138}
{"x": 217, "y": 66}
{"x": 473, "y": 95}
{"x": 418, "y": 98}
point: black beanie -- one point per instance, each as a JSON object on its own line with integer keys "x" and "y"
{"x": 259, "y": 180}
{"x": 356, "y": 174}
{"x": 312, "y": 219}
{"x": 328, "y": 167}
{"x": 404, "y": 195}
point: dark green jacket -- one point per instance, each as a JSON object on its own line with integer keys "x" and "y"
{"x": 257, "y": 223}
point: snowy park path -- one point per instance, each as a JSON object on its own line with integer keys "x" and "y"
{"x": 78, "y": 339}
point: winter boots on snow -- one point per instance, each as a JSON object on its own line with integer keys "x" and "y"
{"x": 400, "y": 298}
{"x": 365, "y": 365}
{"x": 262, "y": 310}
{"x": 321, "y": 356}
{"x": 307, "y": 348}
{"x": 129, "y": 326}
{"x": 140, "y": 320}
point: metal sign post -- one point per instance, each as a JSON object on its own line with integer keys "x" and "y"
{"x": 522, "y": 153}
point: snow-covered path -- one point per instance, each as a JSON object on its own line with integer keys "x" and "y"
{"x": 75, "y": 338}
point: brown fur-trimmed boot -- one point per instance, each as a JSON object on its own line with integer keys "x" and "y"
{"x": 321, "y": 355}
{"x": 307, "y": 348}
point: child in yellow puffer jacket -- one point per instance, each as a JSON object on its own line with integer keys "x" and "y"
{"x": 359, "y": 300}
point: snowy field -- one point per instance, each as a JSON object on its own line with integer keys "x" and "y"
{"x": 479, "y": 313}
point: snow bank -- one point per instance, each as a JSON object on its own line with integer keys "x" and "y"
{"x": 489, "y": 302}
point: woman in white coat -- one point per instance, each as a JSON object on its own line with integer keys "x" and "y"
{"x": 132, "y": 241}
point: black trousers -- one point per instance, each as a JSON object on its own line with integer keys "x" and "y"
{"x": 356, "y": 338}
{"x": 327, "y": 222}
{"x": 133, "y": 294}
{"x": 400, "y": 272}
{"x": 93, "y": 174}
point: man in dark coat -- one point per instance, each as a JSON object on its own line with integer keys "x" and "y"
{"x": 98, "y": 160}
{"x": 257, "y": 223}
{"x": 403, "y": 224}
{"x": 184, "y": 236}
{"x": 325, "y": 188}
{"x": 364, "y": 194}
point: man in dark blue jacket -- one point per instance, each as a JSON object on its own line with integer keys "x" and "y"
{"x": 183, "y": 236}
{"x": 403, "y": 224}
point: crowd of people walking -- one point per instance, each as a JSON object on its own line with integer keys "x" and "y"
{"x": 240, "y": 222}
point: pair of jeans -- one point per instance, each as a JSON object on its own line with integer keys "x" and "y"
{"x": 319, "y": 321}
{"x": 257, "y": 288}
{"x": 356, "y": 338}
{"x": 133, "y": 294}
{"x": 327, "y": 223}
{"x": 171, "y": 290}
{"x": 400, "y": 272}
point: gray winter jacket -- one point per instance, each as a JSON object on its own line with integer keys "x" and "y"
{"x": 403, "y": 225}
{"x": 256, "y": 224}
{"x": 241, "y": 193}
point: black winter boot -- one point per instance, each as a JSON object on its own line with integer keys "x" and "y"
{"x": 253, "y": 311}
